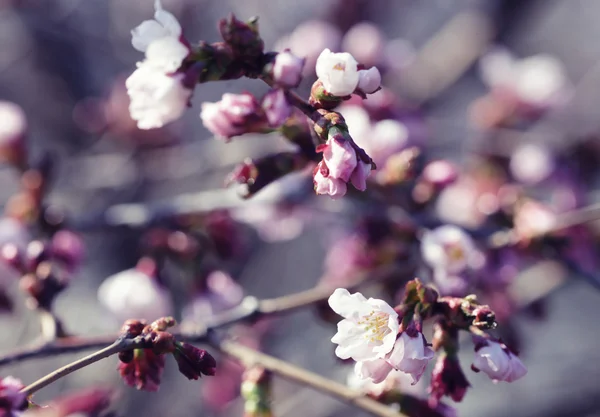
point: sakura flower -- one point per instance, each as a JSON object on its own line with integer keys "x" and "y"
{"x": 369, "y": 328}
{"x": 134, "y": 294}
{"x": 234, "y": 115}
{"x": 327, "y": 184}
{"x": 340, "y": 157}
{"x": 338, "y": 72}
{"x": 499, "y": 363}
{"x": 287, "y": 69}
{"x": 12, "y": 399}
{"x": 156, "y": 98}
{"x": 447, "y": 248}
{"x": 164, "y": 25}
{"x": 166, "y": 54}
{"x": 411, "y": 354}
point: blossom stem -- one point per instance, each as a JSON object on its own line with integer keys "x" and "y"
{"x": 291, "y": 372}
{"x": 118, "y": 346}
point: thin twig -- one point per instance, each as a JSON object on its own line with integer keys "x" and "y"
{"x": 291, "y": 372}
{"x": 116, "y": 347}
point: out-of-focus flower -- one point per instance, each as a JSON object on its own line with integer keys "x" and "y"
{"x": 533, "y": 219}
{"x": 411, "y": 354}
{"x": 164, "y": 25}
{"x": 338, "y": 72}
{"x": 531, "y": 163}
{"x": 234, "y": 115}
{"x": 194, "y": 362}
{"x": 156, "y": 97}
{"x": 221, "y": 293}
{"x": 447, "y": 248}
{"x": 365, "y": 42}
{"x": 448, "y": 379}
{"x": 144, "y": 371}
{"x": 12, "y": 400}
{"x": 88, "y": 402}
{"x": 68, "y": 247}
{"x": 497, "y": 361}
{"x": 440, "y": 173}
{"x": 538, "y": 81}
{"x": 134, "y": 294}
{"x": 12, "y": 133}
{"x": 287, "y": 69}
{"x": 369, "y": 328}
{"x": 309, "y": 39}
{"x": 276, "y": 107}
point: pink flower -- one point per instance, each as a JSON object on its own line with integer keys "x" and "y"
{"x": 411, "y": 355}
{"x": 234, "y": 115}
{"x": 11, "y": 397}
{"x": 340, "y": 157}
{"x": 287, "y": 69}
{"x": 369, "y": 80}
{"x": 327, "y": 184}
{"x": 276, "y": 107}
{"x": 499, "y": 363}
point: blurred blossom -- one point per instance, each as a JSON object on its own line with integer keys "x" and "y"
{"x": 395, "y": 380}
{"x": 276, "y": 107}
{"x": 134, "y": 294}
{"x": 440, "y": 173}
{"x": 365, "y": 42}
{"x": 309, "y": 39}
{"x": 533, "y": 219}
{"x": 273, "y": 222}
{"x": 399, "y": 54}
{"x": 221, "y": 293}
{"x": 531, "y": 163}
{"x": 234, "y": 115}
{"x": 12, "y": 131}
{"x": 347, "y": 256}
{"x": 12, "y": 400}
{"x": 538, "y": 82}
{"x": 447, "y": 248}
{"x": 68, "y": 247}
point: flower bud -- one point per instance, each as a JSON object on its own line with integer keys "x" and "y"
{"x": 163, "y": 323}
{"x": 448, "y": 379}
{"x": 338, "y": 72}
{"x": 287, "y": 69}
{"x": 369, "y": 81}
{"x": 321, "y": 99}
{"x": 234, "y": 115}
{"x": 144, "y": 372}
{"x": 411, "y": 355}
{"x": 276, "y": 107}
{"x": 132, "y": 328}
{"x": 162, "y": 342}
{"x": 194, "y": 362}
{"x": 497, "y": 361}
{"x": 243, "y": 37}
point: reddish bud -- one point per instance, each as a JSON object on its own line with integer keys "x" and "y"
{"x": 163, "y": 324}
{"x": 447, "y": 379}
{"x": 144, "y": 371}
{"x": 133, "y": 328}
{"x": 242, "y": 37}
{"x": 194, "y": 362}
{"x": 162, "y": 342}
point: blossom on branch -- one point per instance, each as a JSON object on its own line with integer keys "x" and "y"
{"x": 287, "y": 69}
{"x": 234, "y": 115}
{"x": 497, "y": 361}
{"x": 340, "y": 74}
{"x": 164, "y": 25}
{"x": 411, "y": 354}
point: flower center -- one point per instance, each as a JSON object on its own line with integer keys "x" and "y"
{"x": 455, "y": 252}
{"x": 339, "y": 66}
{"x": 375, "y": 325}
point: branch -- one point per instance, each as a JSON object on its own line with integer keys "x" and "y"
{"x": 249, "y": 309}
{"x": 291, "y": 372}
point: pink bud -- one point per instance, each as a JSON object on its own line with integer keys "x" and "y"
{"x": 360, "y": 175}
{"x": 234, "y": 115}
{"x": 68, "y": 247}
{"x": 287, "y": 69}
{"x": 276, "y": 107}
{"x": 498, "y": 362}
{"x": 340, "y": 157}
{"x": 326, "y": 184}
{"x": 411, "y": 355}
{"x": 369, "y": 80}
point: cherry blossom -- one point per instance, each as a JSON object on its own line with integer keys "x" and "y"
{"x": 447, "y": 248}
{"x": 287, "y": 69}
{"x": 164, "y": 25}
{"x": 411, "y": 355}
{"x": 499, "y": 363}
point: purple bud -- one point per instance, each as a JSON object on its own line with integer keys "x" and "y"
{"x": 194, "y": 362}
{"x": 287, "y": 69}
{"x": 276, "y": 107}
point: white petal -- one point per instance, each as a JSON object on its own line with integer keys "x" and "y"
{"x": 348, "y": 305}
{"x": 168, "y": 21}
{"x": 167, "y": 54}
{"x": 369, "y": 80}
{"x": 376, "y": 370}
{"x": 146, "y": 33}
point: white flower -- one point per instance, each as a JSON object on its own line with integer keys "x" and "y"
{"x": 166, "y": 54}
{"x": 498, "y": 362}
{"x": 156, "y": 98}
{"x": 447, "y": 248}
{"x": 132, "y": 294}
{"x": 369, "y": 328}
{"x": 411, "y": 355}
{"x": 338, "y": 72}
{"x": 369, "y": 80}
{"x": 164, "y": 25}
{"x": 375, "y": 370}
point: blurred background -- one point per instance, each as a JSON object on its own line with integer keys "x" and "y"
{"x": 64, "y": 63}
